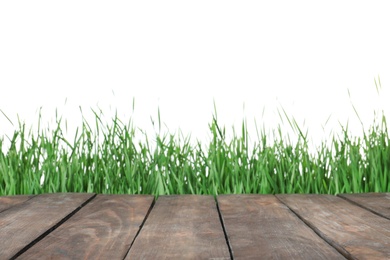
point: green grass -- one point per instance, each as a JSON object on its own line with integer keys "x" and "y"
{"x": 106, "y": 158}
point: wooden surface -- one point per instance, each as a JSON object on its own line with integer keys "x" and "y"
{"x": 182, "y": 227}
{"x": 354, "y": 231}
{"x": 28, "y": 221}
{"x": 263, "y": 226}
{"x": 90, "y": 226}
{"x": 9, "y": 201}
{"x": 378, "y": 203}
{"x": 103, "y": 229}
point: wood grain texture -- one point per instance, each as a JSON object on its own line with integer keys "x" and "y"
{"x": 375, "y": 202}
{"x": 181, "y": 227}
{"x": 25, "y": 222}
{"x": 103, "y": 229}
{"x": 354, "y": 231}
{"x": 261, "y": 227}
{"x": 7, "y": 202}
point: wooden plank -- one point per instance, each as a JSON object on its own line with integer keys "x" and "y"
{"x": 7, "y": 202}
{"x": 24, "y": 223}
{"x": 378, "y": 203}
{"x": 261, "y": 227}
{"x": 354, "y": 231}
{"x": 103, "y": 229}
{"x": 181, "y": 227}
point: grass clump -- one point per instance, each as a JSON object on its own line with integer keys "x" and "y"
{"x": 107, "y": 159}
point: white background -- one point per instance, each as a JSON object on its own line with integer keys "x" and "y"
{"x": 181, "y": 56}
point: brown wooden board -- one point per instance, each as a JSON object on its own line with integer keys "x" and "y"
{"x": 354, "y": 231}
{"x": 103, "y": 229}
{"x": 25, "y": 222}
{"x": 261, "y": 227}
{"x": 181, "y": 227}
{"x": 378, "y": 203}
{"x": 7, "y": 202}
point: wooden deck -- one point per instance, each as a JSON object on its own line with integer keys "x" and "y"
{"x": 90, "y": 226}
